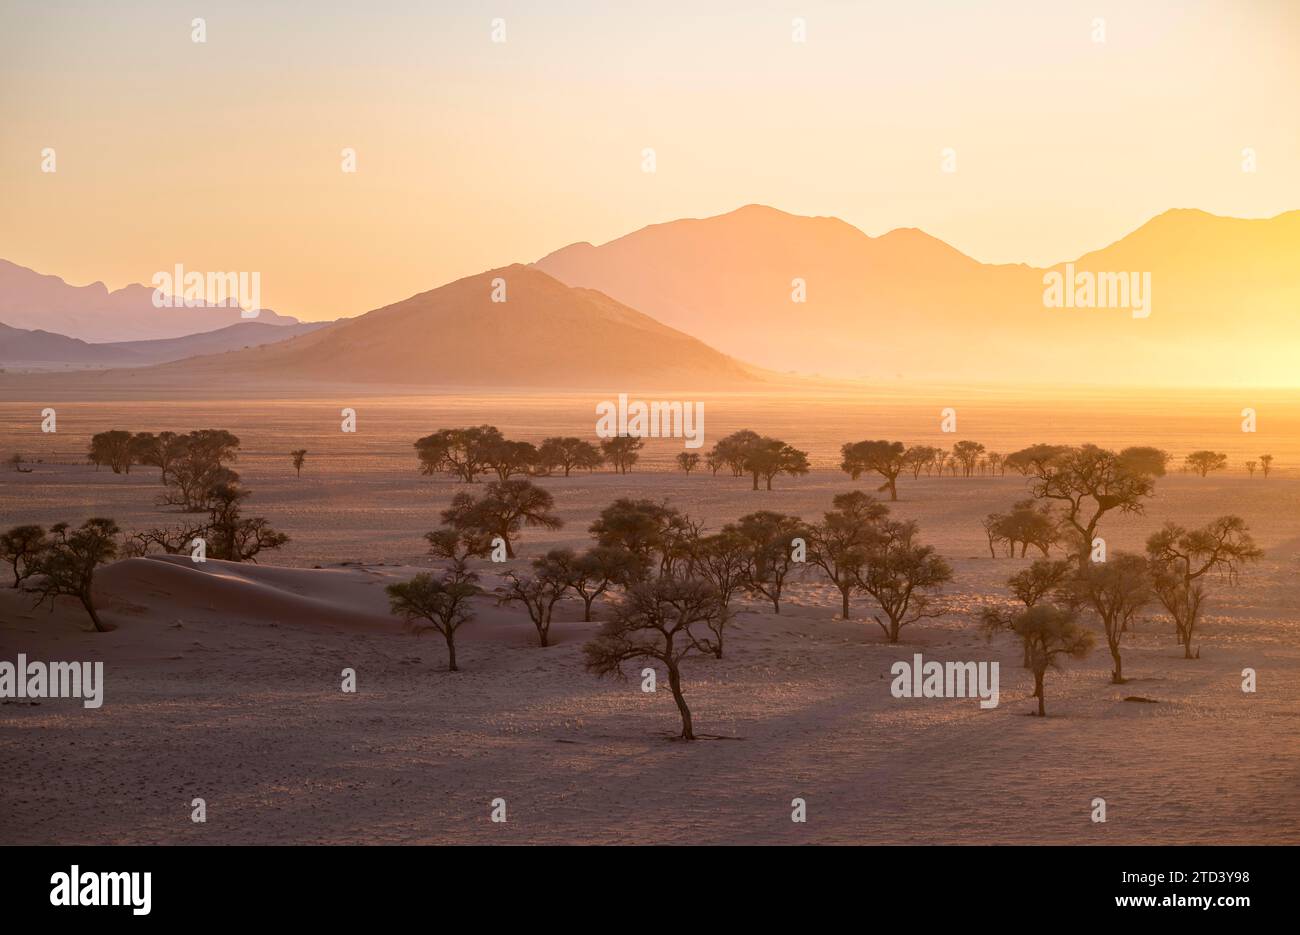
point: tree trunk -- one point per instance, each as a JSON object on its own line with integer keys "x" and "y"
{"x": 756, "y": 480}
{"x": 844, "y": 598}
{"x": 1117, "y": 675}
{"x": 1038, "y": 692}
{"x": 451, "y": 653}
{"x": 94, "y": 617}
{"x": 586, "y": 608}
{"x": 893, "y": 487}
{"x": 675, "y": 683}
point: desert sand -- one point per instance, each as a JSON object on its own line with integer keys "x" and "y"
{"x": 223, "y": 681}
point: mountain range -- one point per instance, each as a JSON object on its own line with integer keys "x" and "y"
{"x": 35, "y": 301}
{"x": 731, "y": 300}
{"x": 1225, "y": 292}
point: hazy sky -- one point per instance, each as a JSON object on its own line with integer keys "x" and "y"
{"x": 472, "y": 154}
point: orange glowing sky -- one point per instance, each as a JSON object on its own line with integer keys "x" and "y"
{"x": 473, "y": 154}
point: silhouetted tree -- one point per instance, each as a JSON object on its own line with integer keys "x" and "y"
{"x": 1025, "y": 525}
{"x": 200, "y": 468}
{"x": 660, "y": 620}
{"x": 1265, "y": 464}
{"x": 596, "y": 571}
{"x": 723, "y": 561}
{"x": 921, "y": 457}
{"x": 768, "y": 457}
{"x": 1250, "y": 468}
{"x": 508, "y": 458}
{"x": 160, "y": 451}
{"x": 902, "y": 575}
{"x": 540, "y": 591}
{"x": 114, "y": 449}
{"x": 233, "y": 537}
{"x": 1033, "y": 460}
{"x": 622, "y": 451}
{"x": 888, "y": 459}
{"x": 1180, "y": 559}
{"x": 439, "y": 603}
{"x": 21, "y": 548}
{"x": 1050, "y": 632}
{"x": 769, "y": 551}
{"x": 967, "y": 453}
{"x": 838, "y": 545}
{"x": 642, "y": 527}
{"x": 688, "y": 461}
{"x": 1203, "y": 462}
{"x": 1091, "y": 482}
{"x": 66, "y": 566}
{"x": 463, "y": 452}
{"x": 569, "y": 453}
{"x": 1115, "y": 590}
{"x": 299, "y": 458}
{"x": 504, "y": 509}
{"x": 731, "y": 451}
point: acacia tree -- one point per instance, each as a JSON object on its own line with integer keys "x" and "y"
{"x": 231, "y": 536}
{"x": 1033, "y": 459}
{"x": 160, "y": 451}
{"x": 1116, "y": 590}
{"x": 643, "y": 527}
{"x": 723, "y": 561}
{"x": 462, "y": 452}
{"x": 568, "y": 452}
{"x": 1181, "y": 558}
{"x": 21, "y": 548}
{"x": 622, "y": 451}
{"x": 1265, "y": 464}
{"x": 769, "y": 553}
{"x": 730, "y": 451}
{"x": 504, "y": 508}
{"x": 113, "y": 448}
{"x": 1090, "y": 482}
{"x": 768, "y": 457}
{"x": 838, "y": 544}
{"x": 902, "y": 576}
{"x": 439, "y": 603}
{"x": 921, "y": 457}
{"x": 1029, "y": 585}
{"x": 888, "y": 459}
{"x": 541, "y": 591}
{"x": 198, "y": 466}
{"x": 1051, "y": 633}
{"x": 688, "y": 461}
{"x": 660, "y": 620}
{"x": 1250, "y": 468}
{"x": 1025, "y": 525}
{"x": 507, "y": 458}
{"x": 967, "y": 453}
{"x": 596, "y": 571}
{"x": 299, "y": 458}
{"x": 66, "y": 566}
{"x": 1203, "y": 462}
